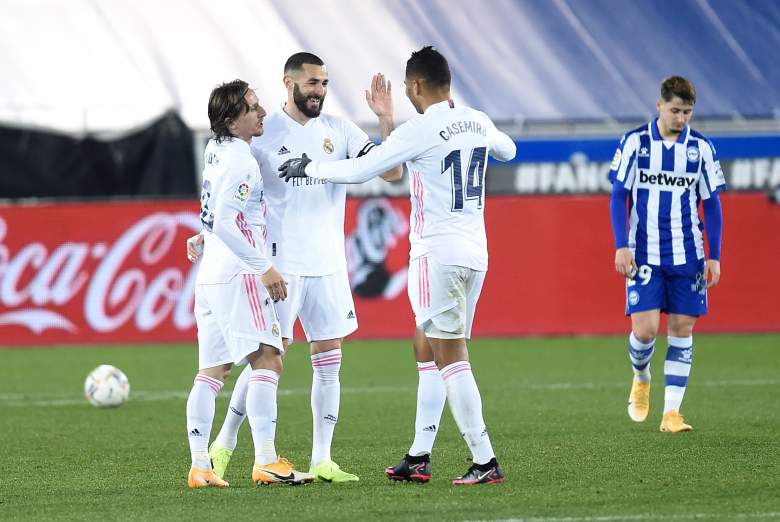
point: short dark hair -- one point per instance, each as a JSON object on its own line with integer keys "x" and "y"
{"x": 680, "y": 87}
{"x": 226, "y": 103}
{"x": 430, "y": 65}
{"x": 296, "y": 61}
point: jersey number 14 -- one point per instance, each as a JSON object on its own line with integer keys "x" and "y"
{"x": 474, "y": 187}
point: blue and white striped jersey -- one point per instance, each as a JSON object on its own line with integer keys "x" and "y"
{"x": 666, "y": 181}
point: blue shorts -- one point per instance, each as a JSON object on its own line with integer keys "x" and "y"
{"x": 678, "y": 289}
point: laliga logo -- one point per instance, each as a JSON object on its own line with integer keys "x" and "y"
{"x": 60, "y": 276}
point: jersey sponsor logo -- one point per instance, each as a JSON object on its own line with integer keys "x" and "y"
{"x": 327, "y": 146}
{"x": 668, "y": 180}
{"x": 692, "y": 153}
{"x": 616, "y": 160}
{"x": 242, "y": 192}
{"x": 283, "y": 150}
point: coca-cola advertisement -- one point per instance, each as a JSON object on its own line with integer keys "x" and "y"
{"x": 96, "y": 272}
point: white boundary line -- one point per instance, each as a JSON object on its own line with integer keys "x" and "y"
{"x": 642, "y": 516}
{"x": 52, "y": 399}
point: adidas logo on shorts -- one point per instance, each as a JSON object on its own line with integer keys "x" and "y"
{"x": 283, "y": 150}
{"x": 351, "y": 315}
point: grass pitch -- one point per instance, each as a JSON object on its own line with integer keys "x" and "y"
{"x": 556, "y": 409}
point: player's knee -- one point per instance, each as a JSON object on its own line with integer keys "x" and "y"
{"x": 644, "y": 335}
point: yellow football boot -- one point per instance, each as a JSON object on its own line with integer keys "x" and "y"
{"x": 279, "y": 472}
{"x": 673, "y": 422}
{"x": 639, "y": 401}
{"x": 201, "y": 478}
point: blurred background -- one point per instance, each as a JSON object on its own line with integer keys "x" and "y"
{"x": 103, "y": 123}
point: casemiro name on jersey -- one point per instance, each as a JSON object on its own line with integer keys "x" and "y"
{"x": 462, "y": 127}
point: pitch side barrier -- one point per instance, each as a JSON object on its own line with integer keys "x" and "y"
{"x": 580, "y": 166}
{"x": 74, "y": 273}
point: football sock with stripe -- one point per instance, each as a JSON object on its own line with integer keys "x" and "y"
{"x": 640, "y": 354}
{"x": 261, "y": 410}
{"x": 677, "y": 368}
{"x": 431, "y": 396}
{"x": 466, "y": 406}
{"x": 325, "y": 399}
{"x": 200, "y": 415}
{"x": 228, "y": 434}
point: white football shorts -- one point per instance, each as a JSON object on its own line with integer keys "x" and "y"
{"x": 323, "y": 304}
{"x": 233, "y": 319}
{"x": 443, "y": 297}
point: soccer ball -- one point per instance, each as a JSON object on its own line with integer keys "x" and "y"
{"x": 106, "y": 387}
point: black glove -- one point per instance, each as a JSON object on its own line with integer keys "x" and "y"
{"x": 294, "y": 168}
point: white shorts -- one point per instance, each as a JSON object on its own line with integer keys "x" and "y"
{"x": 443, "y": 297}
{"x": 233, "y": 319}
{"x": 323, "y": 304}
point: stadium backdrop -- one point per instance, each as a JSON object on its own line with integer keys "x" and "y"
{"x": 116, "y": 271}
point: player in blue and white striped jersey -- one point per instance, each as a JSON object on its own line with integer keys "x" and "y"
{"x": 663, "y": 170}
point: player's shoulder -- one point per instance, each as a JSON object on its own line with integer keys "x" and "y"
{"x": 694, "y": 134}
{"x": 633, "y": 134}
{"x": 338, "y": 123}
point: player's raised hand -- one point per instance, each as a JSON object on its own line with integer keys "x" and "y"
{"x": 712, "y": 272}
{"x": 625, "y": 264}
{"x": 380, "y": 97}
{"x": 294, "y": 168}
{"x": 275, "y": 284}
{"x": 195, "y": 248}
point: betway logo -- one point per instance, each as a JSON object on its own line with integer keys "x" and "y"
{"x": 669, "y": 180}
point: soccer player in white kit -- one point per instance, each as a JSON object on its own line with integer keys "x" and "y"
{"x": 305, "y": 240}
{"x": 235, "y": 289}
{"x": 446, "y": 149}
{"x": 663, "y": 169}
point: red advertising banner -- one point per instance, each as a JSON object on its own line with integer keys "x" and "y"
{"x": 117, "y": 272}
{"x": 73, "y": 273}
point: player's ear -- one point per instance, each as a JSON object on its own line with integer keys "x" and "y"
{"x": 288, "y": 82}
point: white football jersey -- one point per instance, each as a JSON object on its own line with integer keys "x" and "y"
{"x": 232, "y": 212}
{"x": 306, "y": 216}
{"x": 446, "y": 152}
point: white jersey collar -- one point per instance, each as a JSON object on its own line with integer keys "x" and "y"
{"x": 441, "y": 106}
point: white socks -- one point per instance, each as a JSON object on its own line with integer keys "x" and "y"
{"x": 200, "y": 415}
{"x": 640, "y": 354}
{"x": 466, "y": 406}
{"x": 261, "y": 410}
{"x": 325, "y": 399}
{"x": 228, "y": 435}
{"x": 677, "y": 368}
{"x": 431, "y": 396}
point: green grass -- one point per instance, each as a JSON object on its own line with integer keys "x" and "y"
{"x": 556, "y": 409}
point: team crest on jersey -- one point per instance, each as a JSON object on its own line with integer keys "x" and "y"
{"x": 692, "y": 153}
{"x": 327, "y": 146}
{"x": 275, "y": 330}
{"x": 242, "y": 192}
{"x": 616, "y": 160}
